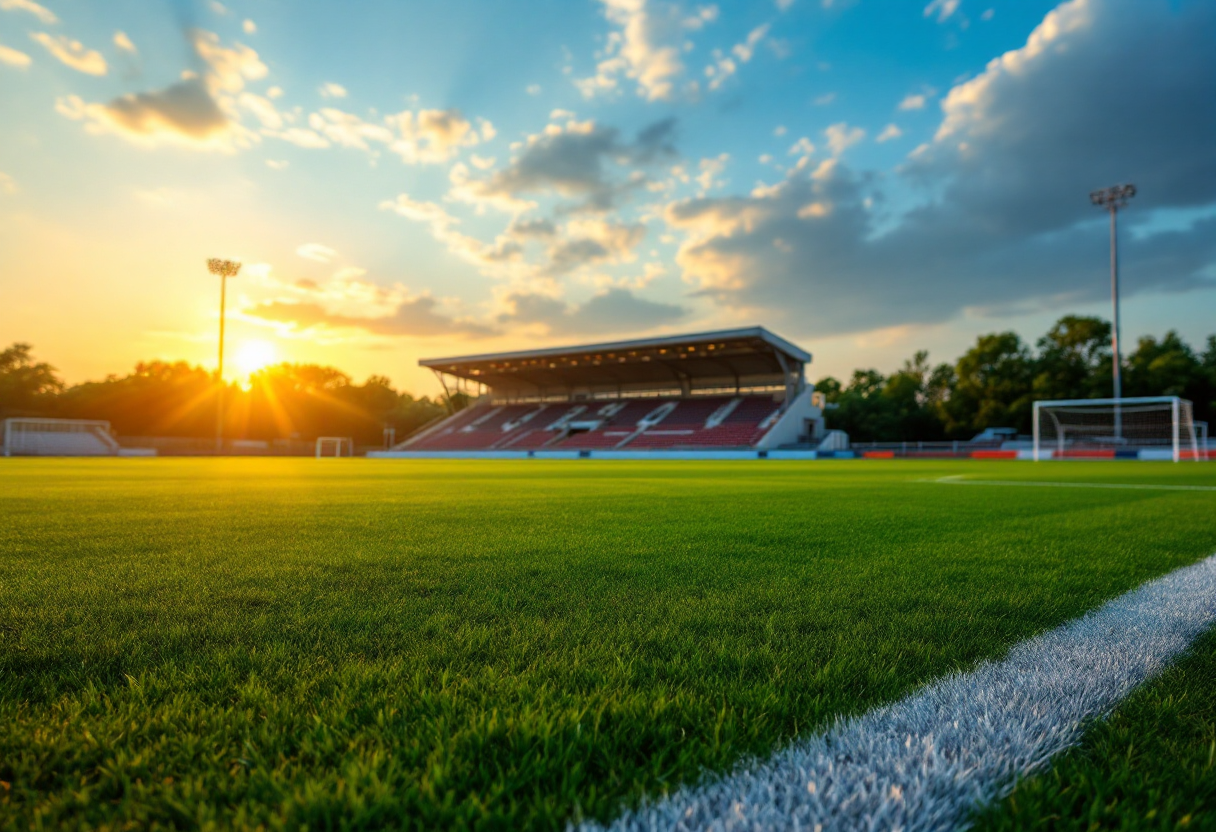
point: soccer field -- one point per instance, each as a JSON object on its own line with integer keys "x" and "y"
{"x": 474, "y": 644}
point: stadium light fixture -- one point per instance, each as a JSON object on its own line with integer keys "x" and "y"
{"x": 223, "y": 269}
{"x": 1112, "y": 199}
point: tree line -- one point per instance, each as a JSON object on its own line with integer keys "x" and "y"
{"x": 993, "y": 384}
{"x": 159, "y": 398}
{"x": 997, "y": 381}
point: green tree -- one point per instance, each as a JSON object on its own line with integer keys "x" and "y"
{"x": 27, "y": 387}
{"x": 992, "y": 387}
{"x": 1074, "y": 360}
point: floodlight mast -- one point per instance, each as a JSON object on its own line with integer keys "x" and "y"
{"x": 1112, "y": 199}
{"x": 223, "y": 269}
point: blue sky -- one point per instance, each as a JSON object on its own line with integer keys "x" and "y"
{"x": 411, "y": 179}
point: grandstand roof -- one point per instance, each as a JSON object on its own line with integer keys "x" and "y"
{"x": 748, "y": 357}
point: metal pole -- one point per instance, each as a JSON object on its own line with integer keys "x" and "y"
{"x": 1036, "y": 431}
{"x": 1116, "y": 358}
{"x": 1112, "y": 199}
{"x": 219, "y": 375}
{"x": 223, "y": 269}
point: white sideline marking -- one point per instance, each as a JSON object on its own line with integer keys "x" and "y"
{"x": 957, "y": 480}
{"x": 927, "y": 761}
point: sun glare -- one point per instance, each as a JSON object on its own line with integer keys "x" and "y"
{"x": 254, "y": 355}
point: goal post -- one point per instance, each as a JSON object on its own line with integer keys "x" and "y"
{"x": 1150, "y": 427}
{"x": 335, "y": 446}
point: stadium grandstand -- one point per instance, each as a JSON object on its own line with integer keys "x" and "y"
{"x": 733, "y": 390}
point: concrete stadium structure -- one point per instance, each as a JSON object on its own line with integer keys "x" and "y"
{"x": 726, "y": 394}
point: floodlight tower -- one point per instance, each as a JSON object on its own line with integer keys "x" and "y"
{"x": 223, "y": 269}
{"x": 1112, "y": 199}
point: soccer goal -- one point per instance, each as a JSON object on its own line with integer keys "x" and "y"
{"x": 335, "y": 446}
{"x": 58, "y": 437}
{"x": 1157, "y": 427}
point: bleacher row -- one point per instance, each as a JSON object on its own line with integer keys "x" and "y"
{"x": 652, "y": 423}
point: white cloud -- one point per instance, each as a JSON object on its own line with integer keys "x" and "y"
{"x": 317, "y": 252}
{"x": 72, "y": 53}
{"x": 249, "y": 27}
{"x": 274, "y": 92}
{"x": 124, "y": 43}
{"x": 202, "y": 113}
{"x": 8, "y": 185}
{"x": 44, "y": 14}
{"x": 1007, "y": 223}
{"x": 944, "y": 9}
{"x": 533, "y": 89}
{"x": 891, "y": 131}
{"x": 302, "y": 137}
{"x": 725, "y": 65}
{"x": 783, "y": 5}
{"x": 262, "y": 109}
{"x": 988, "y": 14}
{"x": 277, "y": 164}
{"x": 841, "y": 137}
{"x": 913, "y": 101}
{"x": 645, "y": 47}
{"x": 13, "y": 57}
{"x": 332, "y": 90}
{"x": 825, "y": 99}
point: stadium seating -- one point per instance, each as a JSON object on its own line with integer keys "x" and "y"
{"x": 736, "y": 422}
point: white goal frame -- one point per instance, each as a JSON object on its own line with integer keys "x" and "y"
{"x": 339, "y": 443}
{"x": 1181, "y": 442}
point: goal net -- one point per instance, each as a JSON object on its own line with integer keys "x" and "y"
{"x": 1160, "y": 427}
{"x": 58, "y": 437}
{"x": 335, "y": 446}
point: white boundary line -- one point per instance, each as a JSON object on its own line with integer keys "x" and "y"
{"x": 957, "y": 479}
{"x": 927, "y": 761}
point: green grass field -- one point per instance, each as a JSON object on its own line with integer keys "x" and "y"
{"x": 421, "y": 644}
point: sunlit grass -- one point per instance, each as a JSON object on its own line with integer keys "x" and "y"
{"x": 463, "y": 644}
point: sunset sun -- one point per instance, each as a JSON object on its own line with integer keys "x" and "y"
{"x": 252, "y": 356}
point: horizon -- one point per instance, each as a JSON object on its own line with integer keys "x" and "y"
{"x": 404, "y": 182}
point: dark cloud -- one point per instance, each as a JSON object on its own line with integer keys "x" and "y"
{"x": 1105, "y": 91}
{"x": 579, "y": 162}
{"x": 416, "y": 318}
{"x": 615, "y": 310}
{"x": 186, "y": 108}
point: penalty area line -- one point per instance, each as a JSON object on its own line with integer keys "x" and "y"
{"x": 928, "y": 761}
{"x": 957, "y": 479}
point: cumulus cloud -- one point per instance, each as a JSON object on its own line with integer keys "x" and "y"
{"x": 590, "y": 241}
{"x": 841, "y": 137}
{"x": 414, "y": 317}
{"x": 614, "y": 310}
{"x": 645, "y": 46}
{"x": 913, "y": 101}
{"x": 123, "y": 42}
{"x": 72, "y": 53}
{"x": 199, "y": 111}
{"x": 43, "y": 14}
{"x": 332, "y": 90}
{"x": 575, "y": 161}
{"x": 1010, "y": 225}
{"x": 726, "y": 64}
{"x": 182, "y": 113}
{"x": 249, "y": 27}
{"x": 944, "y": 9}
{"x": 891, "y": 131}
{"x": 13, "y": 57}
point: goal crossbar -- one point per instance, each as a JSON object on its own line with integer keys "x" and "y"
{"x": 1161, "y": 426}
{"x": 342, "y": 445}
